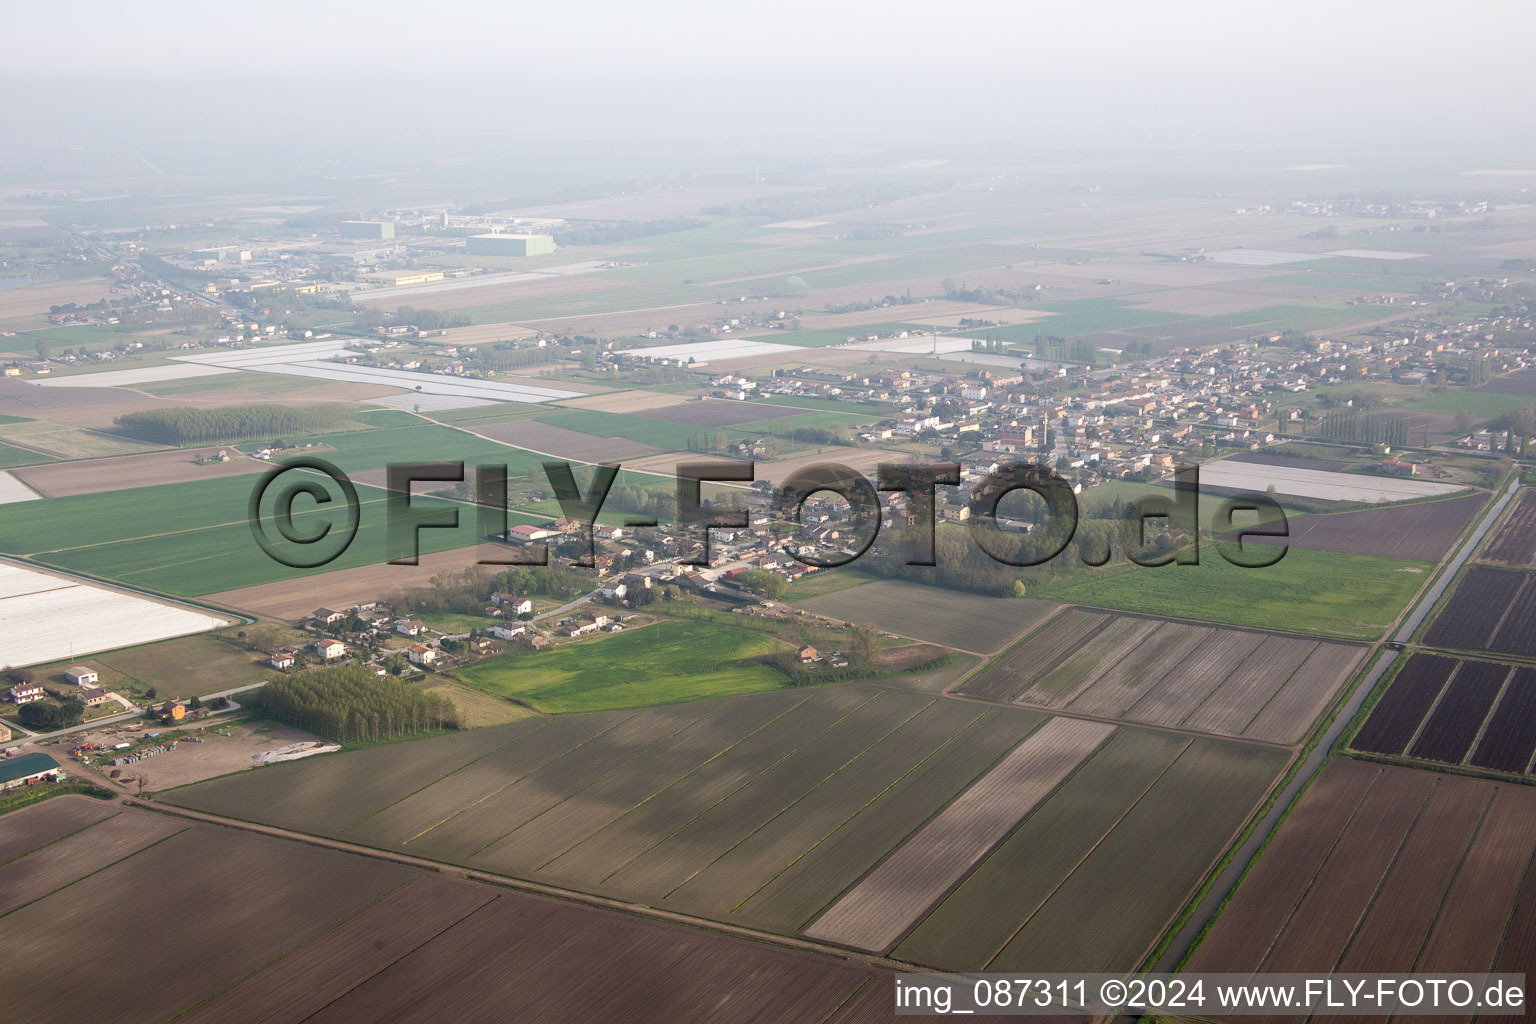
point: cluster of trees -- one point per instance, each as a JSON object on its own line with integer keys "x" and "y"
{"x": 182, "y": 426}
{"x": 1062, "y": 350}
{"x": 353, "y": 704}
{"x": 45, "y": 715}
{"x": 820, "y": 435}
{"x": 468, "y": 592}
{"x": 624, "y": 230}
{"x": 430, "y": 319}
{"x": 503, "y": 357}
{"x": 1351, "y": 426}
{"x": 985, "y": 296}
{"x": 862, "y": 305}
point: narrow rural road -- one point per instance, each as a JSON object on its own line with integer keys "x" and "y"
{"x": 1184, "y": 941}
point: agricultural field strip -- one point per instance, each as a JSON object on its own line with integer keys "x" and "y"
{"x": 1346, "y": 883}
{"x": 805, "y": 886}
{"x": 1450, "y": 733}
{"x": 699, "y": 792}
{"x": 327, "y": 966}
{"x": 974, "y": 923}
{"x": 1243, "y": 934}
{"x": 1514, "y": 542}
{"x": 720, "y": 889}
{"x": 1178, "y": 694}
{"x": 1426, "y": 714}
{"x": 1391, "y": 932}
{"x": 1166, "y": 649}
{"x": 877, "y": 911}
{"x": 1130, "y": 672}
{"x": 717, "y": 831}
{"x": 557, "y": 828}
{"x": 507, "y": 771}
{"x": 1085, "y": 666}
{"x": 57, "y": 819}
{"x": 56, "y": 866}
{"x": 311, "y": 795}
{"x": 459, "y": 800}
{"x": 1289, "y": 714}
{"x": 1508, "y": 740}
{"x": 1039, "y": 651}
{"x": 1232, "y": 707}
{"x": 1109, "y": 914}
{"x": 529, "y": 728}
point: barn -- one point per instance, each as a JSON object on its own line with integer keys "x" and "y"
{"x": 27, "y": 769}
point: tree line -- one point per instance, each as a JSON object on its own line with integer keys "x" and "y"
{"x": 351, "y": 704}
{"x": 181, "y": 426}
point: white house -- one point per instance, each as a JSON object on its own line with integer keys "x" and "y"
{"x": 408, "y": 627}
{"x": 508, "y": 630}
{"x": 421, "y": 654}
{"x": 511, "y": 604}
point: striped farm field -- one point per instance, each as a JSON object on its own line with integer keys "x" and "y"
{"x": 1230, "y": 682}
{"x": 1380, "y": 868}
{"x": 326, "y": 936}
{"x": 781, "y": 811}
{"x": 877, "y": 911}
{"x": 1477, "y": 714}
{"x": 967, "y": 622}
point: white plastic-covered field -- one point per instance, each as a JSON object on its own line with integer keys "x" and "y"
{"x": 12, "y": 489}
{"x": 313, "y": 359}
{"x": 139, "y": 375}
{"x": 48, "y": 617}
{"x": 704, "y": 351}
{"x": 1318, "y": 483}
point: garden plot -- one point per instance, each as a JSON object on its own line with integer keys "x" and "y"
{"x": 45, "y": 616}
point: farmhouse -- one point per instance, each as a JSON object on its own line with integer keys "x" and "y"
{"x": 94, "y": 695}
{"x": 5, "y": 733}
{"x": 25, "y": 693}
{"x": 327, "y": 616}
{"x": 27, "y": 769}
{"x": 511, "y": 604}
{"x": 421, "y": 654}
{"x": 508, "y": 631}
{"x": 329, "y": 649}
{"x": 80, "y": 675}
{"x": 172, "y": 711}
{"x": 807, "y": 654}
{"x": 409, "y": 627}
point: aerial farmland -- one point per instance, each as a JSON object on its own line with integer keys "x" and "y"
{"x": 638, "y": 535}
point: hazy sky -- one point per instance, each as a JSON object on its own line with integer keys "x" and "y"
{"x": 1097, "y": 72}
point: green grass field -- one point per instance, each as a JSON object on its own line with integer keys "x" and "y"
{"x": 668, "y": 663}
{"x": 12, "y": 456}
{"x": 1354, "y": 597}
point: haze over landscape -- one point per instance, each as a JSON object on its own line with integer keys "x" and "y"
{"x": 1113, "y": 420}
